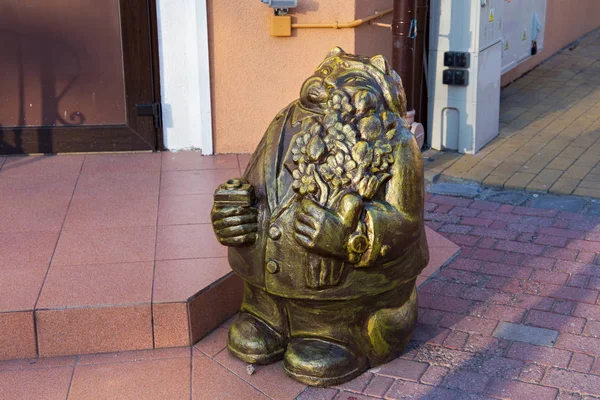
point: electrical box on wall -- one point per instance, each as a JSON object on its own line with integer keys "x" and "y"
{"x": 456, "y": 59}
{"x": 523, "y": 31}
{"x": 464, "y": 73}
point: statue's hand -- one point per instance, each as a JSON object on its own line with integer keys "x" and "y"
{"x": 235, "y": 226}
{"x": 325, "y": 232}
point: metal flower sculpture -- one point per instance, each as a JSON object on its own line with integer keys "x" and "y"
{"x": 348, "y": 150}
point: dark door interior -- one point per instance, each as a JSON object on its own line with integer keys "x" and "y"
{"x": 78, "y": 76}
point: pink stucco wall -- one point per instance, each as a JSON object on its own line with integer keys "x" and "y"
{"x": 566, "y": 20}
{"x": 254, "y": 75}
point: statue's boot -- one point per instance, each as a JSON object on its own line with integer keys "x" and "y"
{"x": 335, "y": 341}
{"x": 319, "y": 362}
{"x": 254, "y": 341}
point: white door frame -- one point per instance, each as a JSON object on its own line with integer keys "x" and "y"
{"x": 204, "y": 78}
{"x": 185, "y": 74}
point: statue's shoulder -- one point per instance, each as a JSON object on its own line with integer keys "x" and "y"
{"x": 276, "y": 125}
{"x": 282, "y": 115}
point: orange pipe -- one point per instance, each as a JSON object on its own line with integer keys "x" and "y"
{"x": 342, "y": 25}
{"x": 382, "y": 25}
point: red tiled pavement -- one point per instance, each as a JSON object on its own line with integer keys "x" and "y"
{"x": 456, "y": 352}
{"x": 80, "y": 237}
{"x": 115, "y": 252}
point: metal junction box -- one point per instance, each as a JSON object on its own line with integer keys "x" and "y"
{"x": 464, "y": 99}
{"x": 523, "y": 31}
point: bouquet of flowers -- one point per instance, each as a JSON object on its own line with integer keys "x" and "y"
{"x": 348, "y": 150}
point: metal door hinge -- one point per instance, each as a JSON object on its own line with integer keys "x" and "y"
{"x": 150, "y": 109}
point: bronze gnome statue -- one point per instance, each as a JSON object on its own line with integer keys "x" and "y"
{"x": 326, "y": 227}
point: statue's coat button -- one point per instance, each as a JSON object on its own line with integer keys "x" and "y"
{"x": 274, "y": 232}
{"x": 359, "y": 243}
{"x": 272, "y": 267}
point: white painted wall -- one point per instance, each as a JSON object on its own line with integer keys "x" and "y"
{"x": 184, "y": 72}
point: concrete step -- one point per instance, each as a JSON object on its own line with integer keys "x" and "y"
{"x": 107, "y": 307}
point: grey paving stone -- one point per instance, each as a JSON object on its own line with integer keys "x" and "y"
{"x": 455, "y": 189}
{"x": 439, "y": 217}
{"x": 594, "y": 209}
{"x": 524, "y": 333}
{"x": 431, "y": 176}
{"x": 506, "y": 197}
{"x": 570, "y": 204}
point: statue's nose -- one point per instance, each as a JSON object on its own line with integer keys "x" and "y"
{"x": 317, "y": 93}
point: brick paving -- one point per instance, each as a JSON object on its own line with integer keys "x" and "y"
{"x": 115, "y": 252}
{"x": 549, "y": 130}
{"x": 512, "y": 317}
{"x": 515, "y": 316}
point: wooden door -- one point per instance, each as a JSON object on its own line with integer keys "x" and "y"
{"x": 78, "y": 76}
